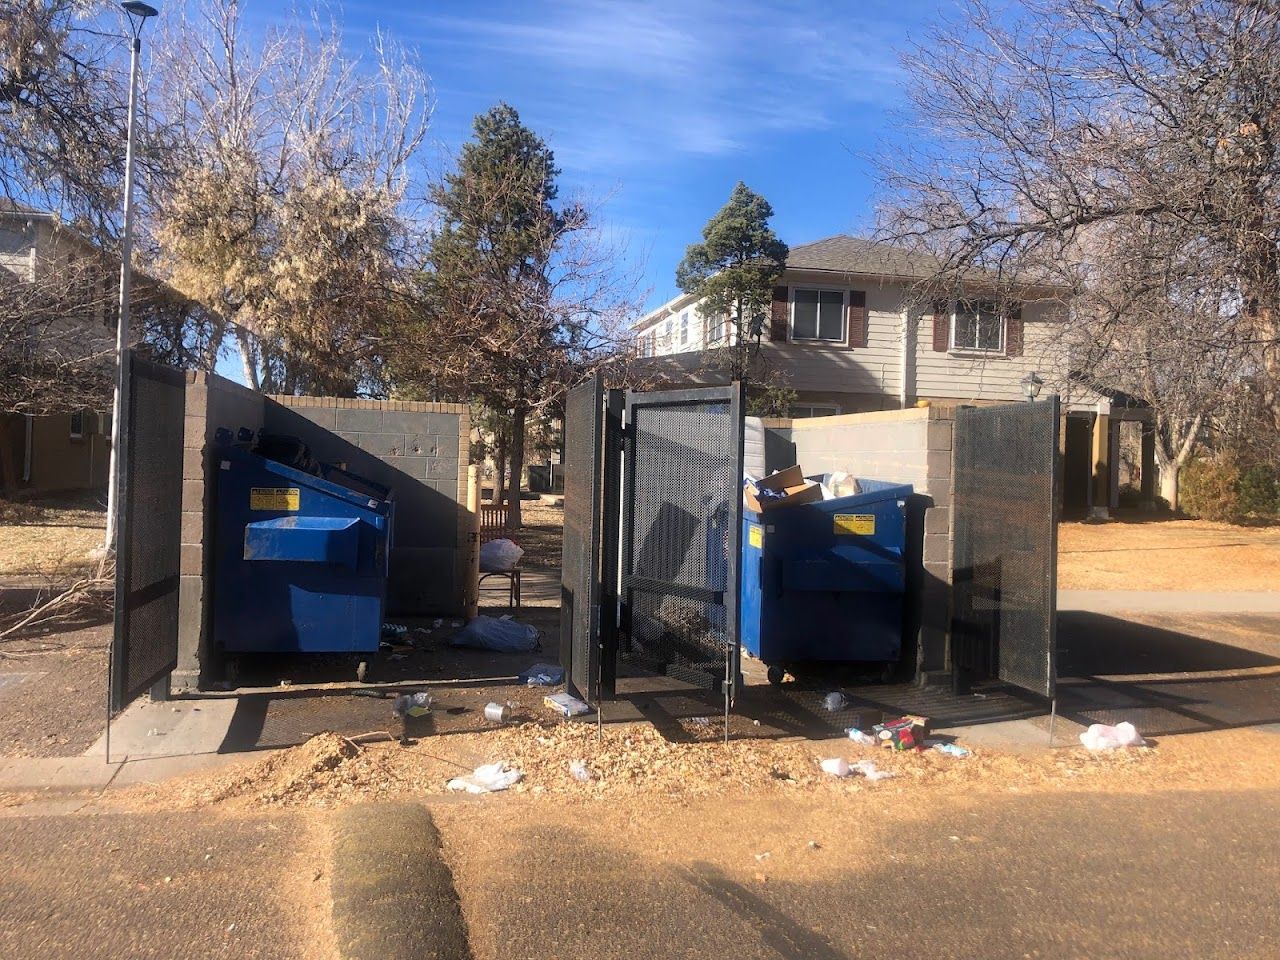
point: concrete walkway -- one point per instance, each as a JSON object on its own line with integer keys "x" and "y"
{"x": 1169, "y": 601}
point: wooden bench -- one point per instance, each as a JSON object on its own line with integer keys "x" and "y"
{"x": 493, "y": 526}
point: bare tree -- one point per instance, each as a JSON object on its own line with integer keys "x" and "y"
{"x": 1124, "y": 150}
{"x": 287, "y": 212}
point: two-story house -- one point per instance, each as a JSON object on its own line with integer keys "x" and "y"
{"x": 69, "y": 450}
{"x": 848, "y": 334}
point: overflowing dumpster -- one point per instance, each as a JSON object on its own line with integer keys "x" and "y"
{"x": 300, "y": 553}
{"x": 823, "y": 581}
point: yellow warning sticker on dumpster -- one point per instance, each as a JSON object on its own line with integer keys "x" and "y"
{"x": 755, "y": 536}
{"x": 275, "y": 498}
{"x": 861, "y": 523}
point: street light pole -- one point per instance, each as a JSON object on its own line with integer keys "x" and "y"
{"x": 138, "y": 14}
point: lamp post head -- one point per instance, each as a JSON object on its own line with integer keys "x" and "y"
{"x": 1031, "y": 385}
{"x": 138, "y": 13}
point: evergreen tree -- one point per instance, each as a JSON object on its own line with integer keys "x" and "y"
{"x": 733, "y": 271}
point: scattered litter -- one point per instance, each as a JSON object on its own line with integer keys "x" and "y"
{"x": 857, "y": 736}
{"x": 489, "y": 778}
{"x": 502, "y": 636}
{"x": 834, "y": 701}
{"x": 1099, "y": 736}
{"x": 499, "y": 556}
{"x": 412, "y": 704}
{"x": 566, "y": 704}
{"x": 436, "y": 624}
{"x": 455, "y": 623}
{"x": 498, "y": 712}
{"x": 814, "y": 845}
{"x": 761, "y": 857}
{"x": 700, "y": 721}
{"x": 154, "y": 732}
{"x": 869, "y": 770}
{"x": 836, "y": 766}
{"x": 374, "y": 694}
{"x": 286, "y": 683}
{"x": 950, "y": 749}
{"x": 903, "y": 733}
{"x": 394, "y": 630}
{"x": 542, "y": 675}
{"x": 579, "y": 771}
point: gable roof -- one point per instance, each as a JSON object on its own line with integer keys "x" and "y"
{"x": 846, "y": 254}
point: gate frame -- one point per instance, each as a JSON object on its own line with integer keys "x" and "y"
{"x": 731, "y": 597}
{"x": 118, "y": 697}
{"x": 1049, "y": 691}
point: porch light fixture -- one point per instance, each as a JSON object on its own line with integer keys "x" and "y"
{"x": 1031, "y": 385}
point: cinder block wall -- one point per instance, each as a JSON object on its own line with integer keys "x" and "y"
{"x": 420, "y": 450}
{"x": 902, "y": 446}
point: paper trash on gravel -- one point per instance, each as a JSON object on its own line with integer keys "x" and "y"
{"x": 836, "y": 766}
{"x": 489, "y": 778}
{"x": 1099, "y": 736}
{"x": 868, "y": 769}
{"x": 412, "y": 704}
{"x": 566, "y": 704}
{"x": 502, "y": 636}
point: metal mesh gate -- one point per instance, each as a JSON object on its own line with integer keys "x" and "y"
{"x": 1006, "y": 540}
{"x": 682, "y": 523}
{"x": 145, "y": 646}
{"x": 580, "y": 567}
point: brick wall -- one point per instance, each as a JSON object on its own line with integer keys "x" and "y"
{"x": 902, "y": 446}
{"x": 420, "y": 450}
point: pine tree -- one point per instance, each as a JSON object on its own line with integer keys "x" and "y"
{"x": 733, "y": 271}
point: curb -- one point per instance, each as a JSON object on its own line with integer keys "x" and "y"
{"x": 393, "y": 894}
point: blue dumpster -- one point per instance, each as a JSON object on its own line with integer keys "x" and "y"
{"x": 824, "y": 582}
{"x": 300, "y": 558}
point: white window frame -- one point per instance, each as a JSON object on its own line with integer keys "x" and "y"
{"x": 684, "y": 328}
{"x": 844, "y": 314}
{"x": 717, "y": 322}
{"x": 999, "y": 351}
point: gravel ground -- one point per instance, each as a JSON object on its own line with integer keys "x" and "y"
{"x": 53, "y": 701}
{"x": 1168, "y": 555}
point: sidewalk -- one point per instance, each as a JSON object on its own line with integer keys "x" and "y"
{"x": 1169, "y": 601}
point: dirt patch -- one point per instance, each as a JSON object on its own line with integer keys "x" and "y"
{"x": 541, "y": 535}
{"x": 53, "y": 692}
{"x": 634, "y": 761}
{"x": 1168, "y": 555}
{"x": 50, "y": 538}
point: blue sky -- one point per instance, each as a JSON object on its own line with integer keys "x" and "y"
{"x": 659, "y": 107}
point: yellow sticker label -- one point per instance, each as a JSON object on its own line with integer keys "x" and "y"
{"x": 755, "y": 536}
{"x": 275, "y": 498}
{"x": 860, "y": 523}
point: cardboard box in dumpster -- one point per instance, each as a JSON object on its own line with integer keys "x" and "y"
{"x": 791, "y": 483}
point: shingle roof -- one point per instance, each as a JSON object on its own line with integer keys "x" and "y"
{"x": 846, "y": 254}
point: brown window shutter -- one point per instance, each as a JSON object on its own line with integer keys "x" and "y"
{"x": 857, "y": 327}
{"x": 941, "y": 328}
{"x": 778, "y": 321}
{"x": 1013, "y": 333}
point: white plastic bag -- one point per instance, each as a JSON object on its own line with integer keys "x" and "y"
{"x": 1099, "y": 736}
{"x": 499, "y": 556}
{"x": 487, "y": 779}
{"x": 836, "y": 766}
{"x": 503, "y": 636}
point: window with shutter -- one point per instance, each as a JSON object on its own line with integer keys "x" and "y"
{"x": 818, "y": 315}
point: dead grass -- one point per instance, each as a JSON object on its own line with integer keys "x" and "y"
{"x": 50, "y": 538}
{"x": 1168, "y": 555}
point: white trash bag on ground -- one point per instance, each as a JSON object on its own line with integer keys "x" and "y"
{"x": 499, "y": 556}
{"x": 489, "y": 778}
{"x": 492, "y": 633}
{"x": 1099, "y": 736}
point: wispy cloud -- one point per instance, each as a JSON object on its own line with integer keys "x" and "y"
{"x": 629, "y": 84}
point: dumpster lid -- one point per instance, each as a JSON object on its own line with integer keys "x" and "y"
{"x": 367, "y": 494}
{"x": 872, "y": 491}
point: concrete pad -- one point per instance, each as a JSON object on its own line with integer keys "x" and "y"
{"x": 181, "y": 728}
